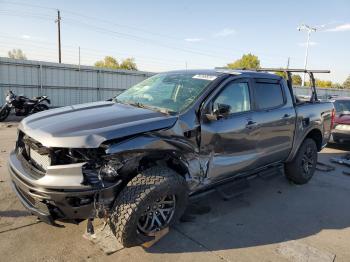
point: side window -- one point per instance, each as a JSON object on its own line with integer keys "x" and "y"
{"x": 268, "y": 95}
{"x": 233, "y": 99}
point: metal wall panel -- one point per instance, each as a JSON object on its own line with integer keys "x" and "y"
{"x": 69, "y": 84}
{"x": 64, "y": 84}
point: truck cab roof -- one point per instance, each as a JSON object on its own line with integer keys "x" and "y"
{"x": 220, "y": 72}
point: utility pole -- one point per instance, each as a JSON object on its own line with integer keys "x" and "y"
{"x": 79, "y": 58}
{"x": 58, "y": 21}
{"x": 308, "y": 29}
{"x": 288, "y": 61}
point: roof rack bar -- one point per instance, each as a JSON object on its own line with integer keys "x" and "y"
{"x": 278, "y": 70}
{"x": 293, "y": 70}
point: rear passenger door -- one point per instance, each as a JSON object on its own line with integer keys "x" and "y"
{"x": 274, "y": 115}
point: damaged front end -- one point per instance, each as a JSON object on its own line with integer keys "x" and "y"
{"x": 82, "y": 183}
{"x": 59, "y": 183}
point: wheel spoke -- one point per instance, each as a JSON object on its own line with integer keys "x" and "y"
{"x": 158, "y": 214}
{"x": 162, "y": 214}
{"x": 157, "y": 220}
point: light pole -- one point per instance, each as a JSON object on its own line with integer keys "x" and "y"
{"x": 308, "y": 29}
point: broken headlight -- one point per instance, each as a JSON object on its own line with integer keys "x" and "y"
{"x": 109, "y": 171}
{"x": 101, "y": 173}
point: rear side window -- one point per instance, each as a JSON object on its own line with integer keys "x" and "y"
{"x": 268, "y": 95}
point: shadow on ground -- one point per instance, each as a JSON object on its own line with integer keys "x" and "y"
{"x": 12, "y": 118}
{"x": 14, "y": 213}
{"x": 342, "y": 146}
{"x": 273, "y": 211}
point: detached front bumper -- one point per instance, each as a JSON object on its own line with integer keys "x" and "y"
{"x": 49, "y": 202}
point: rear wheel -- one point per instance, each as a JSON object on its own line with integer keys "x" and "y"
{"x": 303, "y": 166}
{"x": 151, "y": 201}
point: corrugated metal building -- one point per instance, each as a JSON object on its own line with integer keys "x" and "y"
{"x": 64, "y": 84}
{"x": 70, "y": 84}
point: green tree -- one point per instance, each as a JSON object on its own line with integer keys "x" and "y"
{"x": 323, "y": 83}
{"x": 16, "y": 54}
{"x": 112, "y": 63}
{"x": 248, "y": 61}
{"x": 128, "y": 64}
{"x": 108, "y": 62}
{"x": 296, "y": 79}
{"x": 281, "y": 74}
{"x": 347, "y": 83}
{"x": 338, "y": 86}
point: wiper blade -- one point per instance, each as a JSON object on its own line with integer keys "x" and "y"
{"x": 153, "y": 108}
{"x": 138, "y": 104}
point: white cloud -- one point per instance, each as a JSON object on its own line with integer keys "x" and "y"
{"x": 310, "y": 43}
{"x": 225, "y": 32}
{"x": 193, "y": 39}
{"x": 26, "y": 36}
{"x": 340, "y": 28}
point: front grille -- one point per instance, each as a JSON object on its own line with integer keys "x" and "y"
{"x": 34, "y": 154}
{"x": 43, "y": 161}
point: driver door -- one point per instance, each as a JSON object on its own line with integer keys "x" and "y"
{"x": 229, "y": 133}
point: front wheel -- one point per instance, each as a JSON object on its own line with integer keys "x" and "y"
{"x": 303, "y": 166}
{"x": 4, "y": 113}
{"x": 151, "y": 201}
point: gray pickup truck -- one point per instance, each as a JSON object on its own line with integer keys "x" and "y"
{"x": 136, "y": 160}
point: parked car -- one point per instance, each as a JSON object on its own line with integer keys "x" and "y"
{"x": 341, "y": 128}
{"x": 137, "y": 159}
{"x": 22, "y": 105}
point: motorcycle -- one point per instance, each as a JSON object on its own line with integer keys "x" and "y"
{"x": 22, "y": 105}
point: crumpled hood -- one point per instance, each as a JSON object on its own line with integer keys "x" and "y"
{"x": 88, "y": 125}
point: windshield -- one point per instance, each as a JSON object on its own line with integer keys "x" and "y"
{"x": 342, "y": 106}
{"x": 167, "y": 92}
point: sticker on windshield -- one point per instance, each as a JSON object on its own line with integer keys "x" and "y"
{"x": 205, "y": 77}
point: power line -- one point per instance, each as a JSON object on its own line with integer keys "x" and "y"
{"x": 90, "y": 55}
{"x": 122, "y": 35}
{"x": 99, "y": 53}
{"x": 29, "y": 5}
{"x": 138, "y": 29}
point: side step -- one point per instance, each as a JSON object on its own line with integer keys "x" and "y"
{"x": 271, "y": 172}
{"x": 233, "y": 189}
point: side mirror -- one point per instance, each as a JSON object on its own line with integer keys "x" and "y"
{"x": 222, "y": 109}
{"x": 211, "y": 117}
{"x": 220, "y": 112}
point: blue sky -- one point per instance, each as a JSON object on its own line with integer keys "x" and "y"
{"x": 166, "y": 35}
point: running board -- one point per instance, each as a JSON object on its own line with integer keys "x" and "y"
{"x": 271, "y": 172}
{"x": 233, "y": 189}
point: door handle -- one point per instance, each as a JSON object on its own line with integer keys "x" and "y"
{"x": 251, "y": 124}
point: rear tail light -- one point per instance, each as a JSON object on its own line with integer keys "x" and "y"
{"x": 332, "y": 118}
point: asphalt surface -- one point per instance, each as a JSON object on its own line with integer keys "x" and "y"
{"x": 274, "y": 221}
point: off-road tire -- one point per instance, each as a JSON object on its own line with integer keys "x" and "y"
{"x": 142, "y": 191}
{"x": 295, "y": 171}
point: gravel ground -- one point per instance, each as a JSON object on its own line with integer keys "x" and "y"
{"x": 274, "y": 221}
